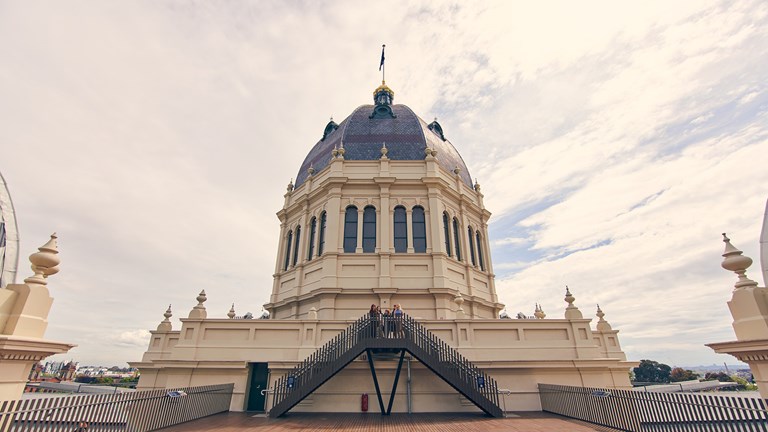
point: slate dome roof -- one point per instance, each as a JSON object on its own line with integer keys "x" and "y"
{"x": 363, "y": 133}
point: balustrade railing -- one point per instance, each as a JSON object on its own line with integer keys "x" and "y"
{"x": 140, "y": 411}
{"x": 634, "y": 411}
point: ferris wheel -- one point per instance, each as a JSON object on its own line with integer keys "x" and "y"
{"x": 9, "y": 237}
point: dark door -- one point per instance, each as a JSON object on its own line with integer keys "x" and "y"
{"x": 257, "y": 382}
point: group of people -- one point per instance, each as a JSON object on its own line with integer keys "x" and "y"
{"x": 387, "y": 323}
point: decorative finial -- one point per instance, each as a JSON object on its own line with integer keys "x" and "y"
{"x": 45, "y": 262}
{"x": 571, "y": 311}
{"x": 457, "y": 170}
{"x": 602, "y": 325}
{"x": 199, "y": 312}
{"x": 384, "y": 150}
{"x": 539, "y": 312}
{"x": 477, "y": 185}
{"x": 459, "y": 300}
{"x": 427, "y": 152}
{"x": 165, "y": 325}
{"x": 737, "y": 263}
{"x": 231, "y": 313}
{"x": 311, "y": 170}
{"x": 312, "y": 314}
{"x": 289, "y": 188}
{"x": 341, "y": 150}
{"x": 335, "y": 152}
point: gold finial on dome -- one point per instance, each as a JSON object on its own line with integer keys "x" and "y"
{"x": 384, "y": 88}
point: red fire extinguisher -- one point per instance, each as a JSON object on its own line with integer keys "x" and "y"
{"x": 364, "y": 402}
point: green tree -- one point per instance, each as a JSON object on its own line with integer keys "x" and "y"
{"x": 679, "y": 374}
{"x": 744, "y": 384}
{"x": 717, "y": 376}
{"x": 652, "y": 371}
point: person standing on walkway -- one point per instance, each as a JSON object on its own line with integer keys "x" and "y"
{"x": 372, "y": 320}
{"x": 387, "y": 324}
{"x": 398, "y": 316}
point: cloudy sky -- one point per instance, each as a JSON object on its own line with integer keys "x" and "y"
{"x": 614, "y": 142}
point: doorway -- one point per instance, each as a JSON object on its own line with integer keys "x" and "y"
{"x": 258, "y": 375}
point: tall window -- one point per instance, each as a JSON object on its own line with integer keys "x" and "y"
{"x": 480, "y": 251}
{"x": 312, "y": 231}
{"x": 350, "y": 229}
{"x": 401, "y": 230}
{"x": 288, "y": 241}
{"x": 471, "y": 245}
{"x": 419, "y": 230}
{"x": 447, "y": 232}
{"x": 369, "y": 229}
{"x": 296, "y": 246}
{"x": 456, "y": 238}
{"x": 321, "y": 243}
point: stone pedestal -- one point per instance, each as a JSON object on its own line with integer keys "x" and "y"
{"x": 23, "y": 319}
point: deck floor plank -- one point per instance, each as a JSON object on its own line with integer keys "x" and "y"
{"x": 369, "y": 422}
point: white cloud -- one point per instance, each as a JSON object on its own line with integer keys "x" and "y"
{"x": 157, "y": 139}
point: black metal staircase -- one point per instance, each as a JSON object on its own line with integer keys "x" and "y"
{"x": 372, "y": 333}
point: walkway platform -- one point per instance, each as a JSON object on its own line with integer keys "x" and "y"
{"x": 523, "y": 422}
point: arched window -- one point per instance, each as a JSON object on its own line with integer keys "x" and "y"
{"x": 350, "y": 229}
{"x": 296, "y": 246}
{"x": 456, "y": 238}
{"x": 312, "y": 232}
{"x": 321, "y": 243}
{"x": 447, "y": 232}
{"x": 480, "y": 251}
{"x": 288, "y": 241}
{"x": 471, "y": 245}
{"x": 369, "y": 229}
{"x": 419, "y": 230}
{"x": 401, "y": 230}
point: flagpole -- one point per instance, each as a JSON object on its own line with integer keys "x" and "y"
{"x": 383, "y": 65}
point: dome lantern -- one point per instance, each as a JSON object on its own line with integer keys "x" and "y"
{"x": 383, "y": 97}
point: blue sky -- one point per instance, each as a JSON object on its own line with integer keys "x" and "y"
{"x": 614, "y": 142}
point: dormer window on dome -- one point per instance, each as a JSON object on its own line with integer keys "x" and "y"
{"x": 383, "y": 97}
{"x": 437, "y": 129}
{"x": 329, "y": 128}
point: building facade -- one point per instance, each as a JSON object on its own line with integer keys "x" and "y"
{"x": 384, "y": 212}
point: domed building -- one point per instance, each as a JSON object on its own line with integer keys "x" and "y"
{"x": 384, "y": 212}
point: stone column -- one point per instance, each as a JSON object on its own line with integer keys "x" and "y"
{"x": 409, "y": 229}
{"x": 360, "y": 212}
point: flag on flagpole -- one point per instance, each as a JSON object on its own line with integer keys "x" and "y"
{"x": 381, "y": 64}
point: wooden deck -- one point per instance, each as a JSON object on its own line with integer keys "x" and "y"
{"x": 523, "y": 422}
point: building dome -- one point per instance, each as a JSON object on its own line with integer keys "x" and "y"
{"x": 383, "y": 211}
{"x": 370, "y": 127}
